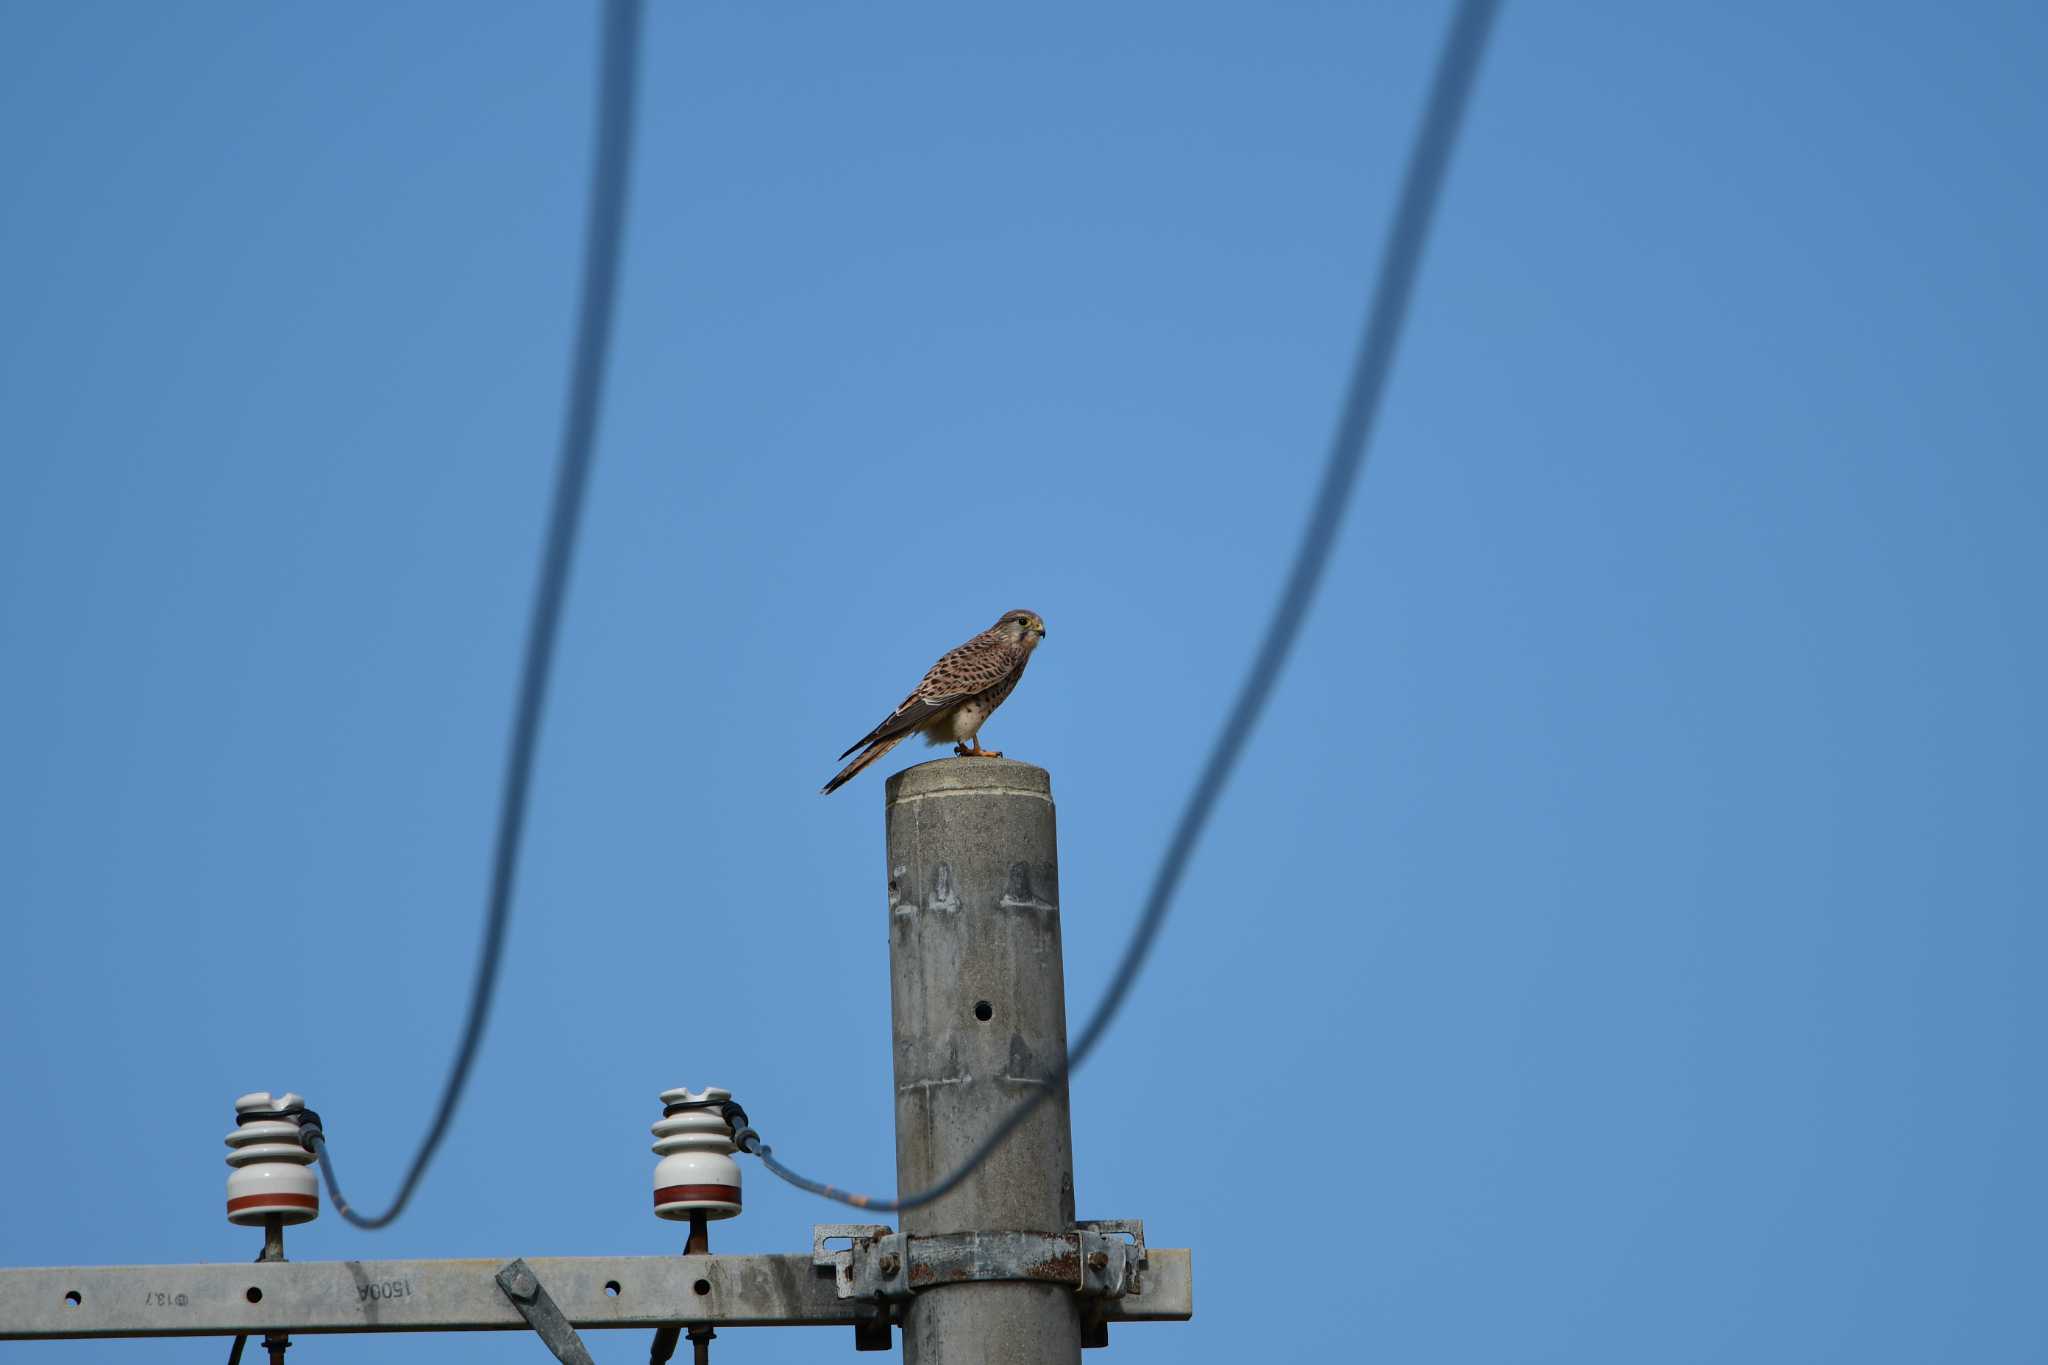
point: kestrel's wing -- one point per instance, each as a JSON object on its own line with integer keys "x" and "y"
{"x": 960, "y": 673}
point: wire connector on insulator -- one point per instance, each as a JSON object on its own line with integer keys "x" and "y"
{"x": 744, "y": 1139}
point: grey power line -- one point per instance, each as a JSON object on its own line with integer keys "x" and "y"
{"x": 1429, "y": 158}
{"x": 618, "y": 63}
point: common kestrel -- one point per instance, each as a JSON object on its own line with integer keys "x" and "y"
{"x": 957, "y": 697}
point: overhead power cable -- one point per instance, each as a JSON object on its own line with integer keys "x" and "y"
{"x": 617, "y": 69}
{"x": 1450, "y": 93}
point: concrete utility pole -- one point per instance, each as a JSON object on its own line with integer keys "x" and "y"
{"x": 978, "y": 1006}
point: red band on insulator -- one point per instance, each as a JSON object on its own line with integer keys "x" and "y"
{"x": 274, "y": 1201}
{"x": 701, "y": 1194}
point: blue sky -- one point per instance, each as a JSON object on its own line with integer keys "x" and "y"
{"x": 1620, "y": 943}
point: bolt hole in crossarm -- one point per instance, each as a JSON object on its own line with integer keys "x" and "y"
{"x": 253, "y": 1294}
{"x": 702, "y": 1287}
{"x": 611, "y": 1289}
{"x": 73, "y": 1298}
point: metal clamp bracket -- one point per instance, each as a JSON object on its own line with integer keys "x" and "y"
{"x": 871, "y": 1333}
{"x": 1102, "y": 1259}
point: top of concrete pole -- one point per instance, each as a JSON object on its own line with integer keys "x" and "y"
{"x": 981, "y": 776}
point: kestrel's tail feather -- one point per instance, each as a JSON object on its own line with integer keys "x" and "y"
{"x": 868, "y": 755}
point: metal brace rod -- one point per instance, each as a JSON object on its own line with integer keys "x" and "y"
{"x": 530, "y": 1297}
{"x": 639, "y": 1292}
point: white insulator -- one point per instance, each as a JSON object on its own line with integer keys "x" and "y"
{"x": 272, "y": 1175}
{"x": 696, "y": 1173}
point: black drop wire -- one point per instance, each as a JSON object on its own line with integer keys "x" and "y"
{"x": 1400, "y": 261}
{"x": 618, "y": 65}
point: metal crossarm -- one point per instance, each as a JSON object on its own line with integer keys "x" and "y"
{"x": 593, "y": 1292}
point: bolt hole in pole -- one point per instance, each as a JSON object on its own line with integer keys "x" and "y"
{"x": 611, "y": 1289}
{"x": 984, "y": 1011}
{"x": 73, "y": 1298}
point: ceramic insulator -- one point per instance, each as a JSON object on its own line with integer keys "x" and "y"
{"x": 696, "y": 1172}
{"x": 272, "y": 1171}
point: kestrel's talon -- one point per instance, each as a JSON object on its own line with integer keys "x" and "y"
{"x": 958, "y": 695}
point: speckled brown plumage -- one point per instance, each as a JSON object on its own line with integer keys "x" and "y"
{"x": 957, "y": 695}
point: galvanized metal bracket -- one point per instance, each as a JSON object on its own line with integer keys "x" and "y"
{"x": 530, "y": 1297}
{"x": 1117, "y": 1261}
{"x": 871, "y": 1330}
{"x": 1102, "y": 1259}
